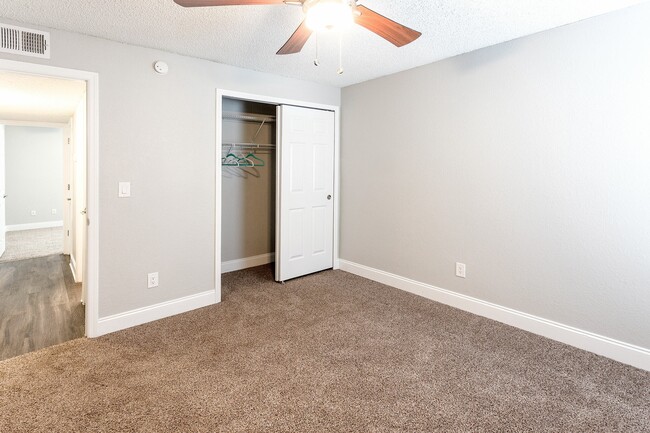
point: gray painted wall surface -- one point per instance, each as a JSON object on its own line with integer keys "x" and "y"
{"x": 158, "y": 132}
{"x": 528, "y": 161}
{"x": 248, "y": 194}
{"x": 34, "y": 174}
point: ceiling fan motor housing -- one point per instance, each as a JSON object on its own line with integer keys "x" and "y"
{"x": 329, "y": 14}
{"x": 308, "y": 4}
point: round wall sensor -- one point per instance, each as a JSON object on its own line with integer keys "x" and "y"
{"x": 161, "y": 67}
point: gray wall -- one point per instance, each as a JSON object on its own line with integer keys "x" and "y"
{"x": 529, "y": 161}
{"x": 248, "y": 194}
{"x": 34, "y": 174}
{"x": 158, "y": 132}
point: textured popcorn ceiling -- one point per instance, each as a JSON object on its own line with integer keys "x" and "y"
{"x": 249, "y": 36}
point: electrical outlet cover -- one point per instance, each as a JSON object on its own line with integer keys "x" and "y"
{"x": 461, "y": 270}
{"x": 152, "y": 280}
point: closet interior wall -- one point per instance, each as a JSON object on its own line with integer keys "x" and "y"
{"x": 248, "y": 193}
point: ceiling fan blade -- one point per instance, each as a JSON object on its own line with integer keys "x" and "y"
{"x": 388, "y": 29}
{"x": 297, "y": 40}
{"x": 199, "y": 3}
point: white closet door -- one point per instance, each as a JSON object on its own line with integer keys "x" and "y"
{"x": 305, "y": 203}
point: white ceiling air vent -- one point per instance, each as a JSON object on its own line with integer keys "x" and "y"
{"x": 26, "y": 42}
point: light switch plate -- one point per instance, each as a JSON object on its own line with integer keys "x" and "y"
{"x": 124, "y": 189}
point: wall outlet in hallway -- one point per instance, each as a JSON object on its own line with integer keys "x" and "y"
{"x": 53, "y": 211}
{"x": 461, "y": 270}
{"x": 33, "y": 213}
{"x": 152, "y": 280}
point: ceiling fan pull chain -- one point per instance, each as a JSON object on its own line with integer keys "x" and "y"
{"x": 340, "y": 70}
{"x": 316, "y": 61}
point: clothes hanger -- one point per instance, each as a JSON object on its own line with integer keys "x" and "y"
{"x": 231, "y": 160}
{"x": 249, "y": 163}
{"x": 225, "y": 158}
{"x": 261, "y": 162}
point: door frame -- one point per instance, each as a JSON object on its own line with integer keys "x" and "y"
{"x": 224, "y": 93}
{"x": 3, "y": 192}
{"x": 67, "y": 180}
{"x": 92, "y": 169}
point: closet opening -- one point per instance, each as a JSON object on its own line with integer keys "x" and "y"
{"x": 276, "y": 186}
{"x": 248, "y": 184}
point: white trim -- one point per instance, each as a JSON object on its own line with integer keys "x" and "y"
{"x": 68, "y": 166}
{"x": 139, "y": 316}
{"x": 217, "y": 200}
{"x": 32, "y": 123}
{"x": 92, "y": 203}
{"x": 278, "y": 197}
{"x": 221, "y": 93}
{"x": 620, "y": 351}
{"x": 273, "y": 100}
{"x": 337, "y": 186}
{"x": 75, "y": 272}
{"x": 92, "y": 167}
{"x": 33, "y": 226}
{"x": 248, "y": 262}
{"x": 73, "y": 268}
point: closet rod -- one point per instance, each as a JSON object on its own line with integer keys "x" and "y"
{"x": 250, "y": 117}
{"x": 250, "y": 145}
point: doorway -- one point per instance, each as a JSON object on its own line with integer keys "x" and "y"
{"x": 43, "y": 175}
{"x": 268, "y": 149}
{"x": 88, "y": 273}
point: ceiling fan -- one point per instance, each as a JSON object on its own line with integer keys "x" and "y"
{"x": 326, "y": 15}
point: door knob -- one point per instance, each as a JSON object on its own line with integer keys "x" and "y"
{"x": 4, "y": 196}
{"x": 329, "y": 197}
{"x": 83, "y": 212}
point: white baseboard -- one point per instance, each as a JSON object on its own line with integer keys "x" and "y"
{"x": 248, "y": 262}
{"x": 117, "y": 322}
{"x": 32, "y": 226}
{"x": 617, "y": 350}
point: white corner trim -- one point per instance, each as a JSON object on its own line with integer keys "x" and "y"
{"x": 73, "y": 268}
{"x": 248, "y": 262}
{"x": 139, "y": 316}
{"x": 617, "y": 350}
{"x": 32, "y": 226}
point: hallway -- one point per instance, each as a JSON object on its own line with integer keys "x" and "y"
{"x": 40, "y": 305}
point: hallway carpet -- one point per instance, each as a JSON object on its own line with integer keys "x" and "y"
{"x": 29, "y": 244}
{"x": 330, "y": 352}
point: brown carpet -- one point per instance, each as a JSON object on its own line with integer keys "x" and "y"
{"x": 330, "y": 352}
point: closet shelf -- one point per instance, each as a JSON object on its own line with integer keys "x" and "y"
{"x": 248, "y": 117}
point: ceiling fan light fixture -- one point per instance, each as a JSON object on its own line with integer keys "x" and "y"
{"x": 324, "y": 15}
